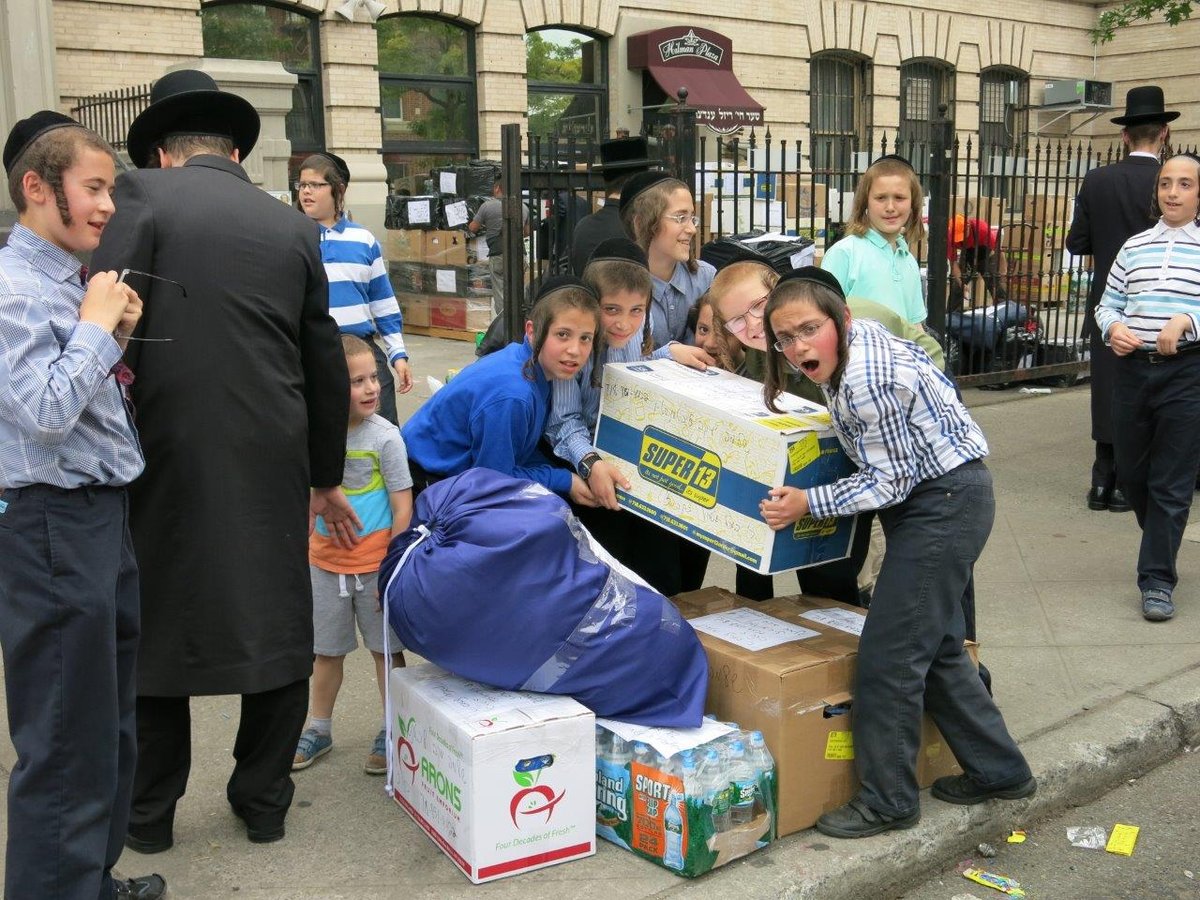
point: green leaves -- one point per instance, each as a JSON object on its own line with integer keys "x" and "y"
{"x": 1173, "y": 11}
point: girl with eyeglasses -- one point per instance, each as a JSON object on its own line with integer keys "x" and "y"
{"x": 659, "y": 214}
{"x": 875, "y": 260}
{"x": 919, "y": 456}
{"x": 361, "y": 299}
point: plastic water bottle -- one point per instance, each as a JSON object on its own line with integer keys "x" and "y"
{"x": 673, "y": 831}
{"x": 744, "y": 782}
{"x": 613, "y": 795}
{"x": 716, "y": 790}
{"x": 602, "y": 741}
{"x": 764, "y": 766}
{"x": 646, "y": 755}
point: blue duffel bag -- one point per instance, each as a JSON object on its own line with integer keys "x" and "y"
{"x": 496, "y": 581}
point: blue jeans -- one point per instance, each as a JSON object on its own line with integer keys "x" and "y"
{"x": 911, "y": 657}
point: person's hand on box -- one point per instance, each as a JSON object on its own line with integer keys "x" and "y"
{"x": 603, "y": 481}
{"x": 783, "y": 506}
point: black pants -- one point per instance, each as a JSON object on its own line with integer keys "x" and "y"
{"x": 69, "y": 622}
{"x": 1156, "y": 426}
{"x": 911, "y": 656}
{"x": 387, "y": 383}
{"x": 260, "y": 788}
{"x": 837, "y": 580}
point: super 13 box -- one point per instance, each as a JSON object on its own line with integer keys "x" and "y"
{"x": 701, "y": 450}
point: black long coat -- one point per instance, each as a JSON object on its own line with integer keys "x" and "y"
{"x": 238, "y": 415}
{"x": 593, "y": 230}
{"x": 1113, "y": 205}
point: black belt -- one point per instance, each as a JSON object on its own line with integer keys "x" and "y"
{"x": 1153, "y": 356}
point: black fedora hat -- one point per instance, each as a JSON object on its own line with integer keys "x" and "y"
{"x": 188, "y": 101}
{"x": 1143, "y": 105}
{"x": 621, "y": 155}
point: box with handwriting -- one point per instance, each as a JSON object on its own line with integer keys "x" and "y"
{"x": 701, "y": 450}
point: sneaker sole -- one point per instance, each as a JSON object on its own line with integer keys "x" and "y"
{"x": 1020, "y": 792}
{"x": 1155, "y": 615}
{"x": 298, "y": 766}
{"x": 895, "y": 825}
{"x": 375, "y": 770}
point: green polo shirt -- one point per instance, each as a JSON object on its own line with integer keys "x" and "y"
{"x": 868, "y": 267}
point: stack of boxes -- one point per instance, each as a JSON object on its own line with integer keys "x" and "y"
{"x": 737, "y": 203}
{"x": 1035, "y": 246}
{"x": 438, "y": 269}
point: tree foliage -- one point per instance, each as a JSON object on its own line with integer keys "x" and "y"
{"x": 550, "y": 61}
{"x": 1173, "y": 12}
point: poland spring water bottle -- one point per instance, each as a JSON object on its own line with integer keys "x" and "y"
{"x": 673, "y": 831}
{"x": 764, "y": 767}
{"x": 744, "y": 780}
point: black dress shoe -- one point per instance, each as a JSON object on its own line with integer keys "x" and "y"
{"x": 1097, "y": 497}
{"x": 148, "y": 887}
{"x": 263, "y": 829}
{"x": 1117, "y": 501}
{"x": 149, "y": 838}
{"x": 962, "y": 790}
{"x": 857, "y": 820}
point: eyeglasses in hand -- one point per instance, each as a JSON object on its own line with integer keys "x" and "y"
{"x": 804, "y": 333}
{"x": 124, "y": 278}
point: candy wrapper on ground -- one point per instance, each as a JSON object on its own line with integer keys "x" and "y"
{"x": 497, "y": 581}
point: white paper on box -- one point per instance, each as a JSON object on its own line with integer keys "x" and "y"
{"x": 835, "y": 617}
{"x": 456, "y": 213}
{"x": 667, "y": 741}
{"x": 502, "y": 781}
{"x": 751, "y": 630}
{"x": 418, "y": 212}
{"x": 446, "y": 281}
{"x": 447, "y": 183}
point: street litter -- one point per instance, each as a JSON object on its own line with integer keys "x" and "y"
{"x": 1122, "y": 839}
{"x": 1090, "y": 837}
{"x": 1016, "y": 837}
{"x": 1028, "y": 390}
{"x": 987, "y": 851}
{"x": 1001, "y": 883}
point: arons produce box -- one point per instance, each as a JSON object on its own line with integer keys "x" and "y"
{"x": 502, "y": 781}
{"x": 786, "y": 667}
{"x": 701, "y": 451}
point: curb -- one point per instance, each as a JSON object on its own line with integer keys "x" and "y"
{"x": 1075, "y": 762}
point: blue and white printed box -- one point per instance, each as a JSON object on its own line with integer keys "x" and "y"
{"x": 701, "y": 450}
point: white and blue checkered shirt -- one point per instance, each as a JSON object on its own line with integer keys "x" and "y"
{"x": 898, "y": 418}
{"x": 62, "y": 418}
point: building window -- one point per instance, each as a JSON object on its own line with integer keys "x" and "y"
{"x": 839, "y": 110}
{"x": 251, "y": 30}
{"x": 427, "y": 97}
{"x": 1003, "y": 108}
{"x": 567, "y": 85}
{"x": 925, "y": 84}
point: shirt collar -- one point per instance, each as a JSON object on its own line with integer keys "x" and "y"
{"x": 681, "y": 278}
{"x": 881, "y": 242}
{"x": 1144, "y": 153}
{"x": 53, "y": 261}
{"x": 1190, "y": 229}
{"x": 339, "y": 226}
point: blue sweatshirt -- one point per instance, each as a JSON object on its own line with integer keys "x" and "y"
{"x": 489, "y": 415}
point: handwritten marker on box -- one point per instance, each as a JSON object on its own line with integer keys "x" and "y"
{"x": 1122, "y": 839}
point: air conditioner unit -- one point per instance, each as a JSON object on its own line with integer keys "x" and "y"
{"x": 1077, "y": 90}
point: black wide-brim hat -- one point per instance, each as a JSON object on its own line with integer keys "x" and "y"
{"x": 621, "y": 155}
{"x": 188, "y": 101}
{"x": 1144, "y": 105}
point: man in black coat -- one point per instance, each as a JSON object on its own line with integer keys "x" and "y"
{"x": 242, "y": 401}
{"x": 619, "y": 159}
{"x": 1113, "y": 205}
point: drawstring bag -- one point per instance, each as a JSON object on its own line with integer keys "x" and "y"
{"x": 496, "y": 581}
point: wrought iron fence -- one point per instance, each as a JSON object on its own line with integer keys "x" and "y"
{"x": 1015, "y": 314}
{"x": 110, "y": 113}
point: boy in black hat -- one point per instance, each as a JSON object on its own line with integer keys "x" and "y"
{"x": 68, "y": 584}
{"x": 620, "y": 158}
{"x": 1113, "y": 205}
{"x": 239, "y": 414}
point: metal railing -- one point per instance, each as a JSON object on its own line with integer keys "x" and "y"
{"x": 110, "y": 113}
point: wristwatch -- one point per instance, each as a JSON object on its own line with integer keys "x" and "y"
{"x": 585, "y": 464}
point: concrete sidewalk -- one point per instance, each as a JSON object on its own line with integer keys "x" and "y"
{"x": 1093, "y": 692}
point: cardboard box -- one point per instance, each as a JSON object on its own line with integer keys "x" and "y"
{"x": 460, "y": 313}
{"x": 798, "y": 693}
{"x": 446, "y": 248}
{"x": 404, "y": 245}
{"x": 414, "y": 309}
{"x": 1048, "y": 208}
{"x": 633, "y": 802}
{"x": 803, "y": 198}
{"x": 700, "y": 450}
{"x": 990, "y": 209}
{"x": 502, "y": 781}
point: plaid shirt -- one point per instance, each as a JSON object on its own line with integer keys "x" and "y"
{"x": 898, "y": 418}
{"x": 62, "y": 418}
